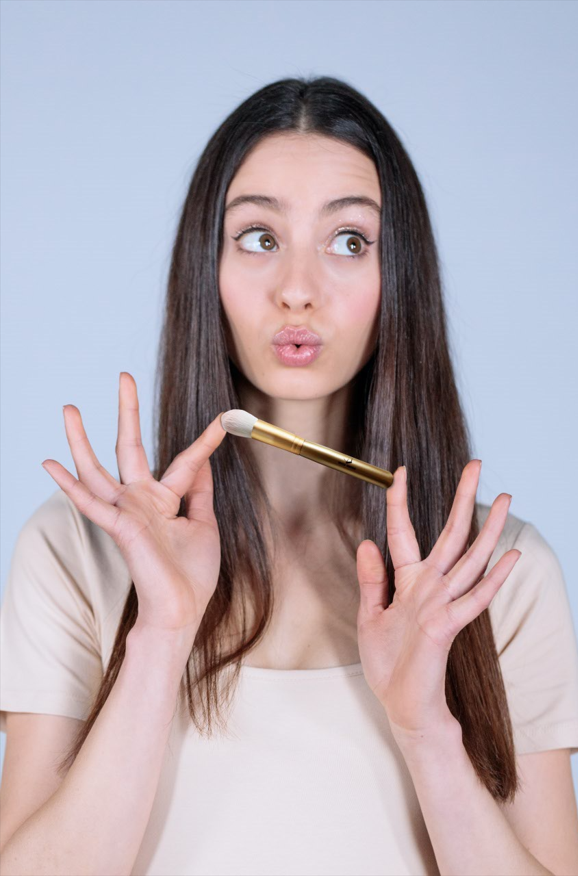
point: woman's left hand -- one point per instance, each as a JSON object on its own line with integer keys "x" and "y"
{"x": 404, "y": 646}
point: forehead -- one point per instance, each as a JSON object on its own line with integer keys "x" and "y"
{"x": 304, "y": 167}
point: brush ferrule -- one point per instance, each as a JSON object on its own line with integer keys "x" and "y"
{"x": 269, "y": 434}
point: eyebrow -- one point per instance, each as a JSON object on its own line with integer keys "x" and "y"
{"x": 326, "y": 210}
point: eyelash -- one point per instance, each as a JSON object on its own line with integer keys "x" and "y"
{"x": 354, "y": 231}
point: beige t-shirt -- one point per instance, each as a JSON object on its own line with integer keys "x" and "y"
{"x": 308, "y": 779}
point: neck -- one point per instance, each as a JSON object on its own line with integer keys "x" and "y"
{"x": 297, "y": 488}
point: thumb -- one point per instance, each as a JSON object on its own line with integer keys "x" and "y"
{"x": 199, "y": 498}
{"x": 372, "y": 577}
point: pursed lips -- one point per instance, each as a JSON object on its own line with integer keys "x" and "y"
{"x": 298, "y": 337}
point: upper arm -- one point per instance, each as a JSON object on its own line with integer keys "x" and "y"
{"x": 543, "y": 815}
{"x": 35, "y": 744}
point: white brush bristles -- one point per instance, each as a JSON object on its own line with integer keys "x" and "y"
{"x": 238, "y": 423}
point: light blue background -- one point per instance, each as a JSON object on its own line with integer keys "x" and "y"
{"x": 105, "y": 109}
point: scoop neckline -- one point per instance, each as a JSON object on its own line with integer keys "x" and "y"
{"x": 301, "y": 674}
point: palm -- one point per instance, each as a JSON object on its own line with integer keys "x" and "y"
{"x": 399, "y": 645}
{"x": 404, "y": 645}
{"x": 158, "y": 545}
{"x": 174, "y": 561}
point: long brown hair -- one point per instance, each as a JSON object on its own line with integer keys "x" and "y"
{"x": 405, "y": 410}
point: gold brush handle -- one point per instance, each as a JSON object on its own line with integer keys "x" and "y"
{"x": 284, "y": 440}
{"x": 348, "y": 464}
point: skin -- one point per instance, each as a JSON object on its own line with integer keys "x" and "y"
{"x": 310, "y": 277}
{"x": 405, "y": 642}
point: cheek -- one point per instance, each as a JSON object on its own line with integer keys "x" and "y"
{"x": 235, "y": 293}
{"x": 240, "y": 316}
{"x": 361, "y": 311}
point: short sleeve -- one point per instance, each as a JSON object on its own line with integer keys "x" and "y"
{"x": 50, "y": 655}
{"x": 536, "y": 642}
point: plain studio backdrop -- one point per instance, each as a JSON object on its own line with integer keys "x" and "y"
{"x": 106, "y": 107}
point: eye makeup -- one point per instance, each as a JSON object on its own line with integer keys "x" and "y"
{"x": 343, "y": 230}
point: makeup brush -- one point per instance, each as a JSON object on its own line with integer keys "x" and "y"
{"x": 245, "y": 425}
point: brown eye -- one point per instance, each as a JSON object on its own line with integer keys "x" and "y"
{"x": 356, "y": 244}
{"x": 255, "y": 243}
{"x": 266, "y": 241}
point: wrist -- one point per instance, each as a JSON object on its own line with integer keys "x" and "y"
{"x": 442, "y": 736}
{"x": 167, "y": 646}
{"x": 152, "y": 671}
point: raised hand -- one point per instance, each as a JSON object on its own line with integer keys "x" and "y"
{"x": 404, "y": 645}
{"x": 174, "y": 561}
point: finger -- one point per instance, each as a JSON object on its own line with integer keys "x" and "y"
{"x": 372, "y": 577}
{"x": 199, "y": 499}
{"x": 451, "y": 544}
{"x": 181, "y": 474}
{"x": 468, "y": 569}
{"x": 130, "y": 453}
{"x": 463, "y": 610}
{"x": 401, "y": 539}
{"x": 97, "y": 479}
{"x": 92, "y": 506}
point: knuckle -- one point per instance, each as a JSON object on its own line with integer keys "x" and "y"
{"x": 88, "y": 500}
{"x": 397, "y": 530}
{"x": 452, "y": 620}
{"x": 447, "y": 586}
{"x": 192, "y": 465}
{"x": 478, "y": 597}
{"x": 76, "y": 488}
{"x": 455, "y": 526}
{"x": 136, "y": 443}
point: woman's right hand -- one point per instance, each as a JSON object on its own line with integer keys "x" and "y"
{"x": 174, "y": 561}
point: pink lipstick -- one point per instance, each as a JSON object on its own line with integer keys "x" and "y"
{"x": 296, "y": 346}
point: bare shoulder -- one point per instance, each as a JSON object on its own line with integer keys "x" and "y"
{"x": 35, "y": 745}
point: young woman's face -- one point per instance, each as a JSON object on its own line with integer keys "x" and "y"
{"x": 302, "y": 266}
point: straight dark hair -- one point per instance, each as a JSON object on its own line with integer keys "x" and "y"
{"x": 405, "y": 411}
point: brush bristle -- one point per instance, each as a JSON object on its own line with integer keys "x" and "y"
{"x": 238, "y": 423}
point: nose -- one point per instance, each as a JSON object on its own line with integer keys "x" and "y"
{"x": 299, "y": 287}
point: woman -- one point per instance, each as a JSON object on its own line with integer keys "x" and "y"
{"x": 368, "y": 728}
